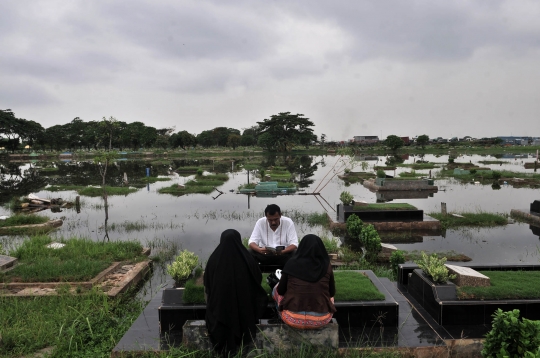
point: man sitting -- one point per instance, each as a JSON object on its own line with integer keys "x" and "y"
{"x": 276, "y": 232}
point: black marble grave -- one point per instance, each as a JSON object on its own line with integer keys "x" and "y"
{"x": 343, "y": 213}
{"x": 441, "y": 303}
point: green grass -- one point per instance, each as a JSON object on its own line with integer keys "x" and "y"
{"x": 22, "y": 219}
{"x": 350, "y": 286}
{"x": 353, "y": 286}
{"x": 153, "y": 179}
{"x": 194, "y": 293}
{"x": 470, "y": 219}
{"x": 79, "y": 260}
{"x": 385, "y": 206}
{"x": 48, "y": 169}
{"x": 201, "y": 185}
{"x": 111, "y": 190}
{"x": 64, "y": 187}
{"x": 330, "y": 244}
{"x": 419, "y": 165}
{"x": 411, "y": 174}
{"x": 505, "y": 285}
{"x": 316, "y": 219}
{"x": 86, "y": 325}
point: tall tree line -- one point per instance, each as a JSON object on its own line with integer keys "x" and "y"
{"x": 280, "y": 133}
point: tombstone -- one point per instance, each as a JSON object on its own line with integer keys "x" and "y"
{"x": 7, "y": 262}
{"x": 535, "y": 206}
{"x": 466, "y": 276}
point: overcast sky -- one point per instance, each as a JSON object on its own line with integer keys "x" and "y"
{"x": 444, "y": 68}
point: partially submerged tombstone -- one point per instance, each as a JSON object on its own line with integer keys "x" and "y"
{"x": 535, "y": 207}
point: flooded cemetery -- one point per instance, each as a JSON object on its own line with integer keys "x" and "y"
{"x": 169, "y": 205}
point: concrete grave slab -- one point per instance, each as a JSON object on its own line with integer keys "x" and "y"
{"x": 468, "y": 277}
{"x": 7, "y": 262}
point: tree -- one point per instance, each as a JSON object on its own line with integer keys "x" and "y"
{"x": 422, "y": 140}
{"x": 109, "y": 127}
{"x": 393, "y": 142}
{"x": 234, "y": 140}
{"x": 205, "y": 138}
{"x": 285, "y": 130}
{"x": 182, "y": 139}
{"x": 10, "y": 129}
{"x": 323, "y": 139}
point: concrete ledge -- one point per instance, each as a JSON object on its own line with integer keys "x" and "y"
{"x": 270, "y": 336}
{"x": 527, "y": 216}
{"x": 428, "y": 225}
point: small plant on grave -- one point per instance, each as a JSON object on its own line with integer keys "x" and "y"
{"x": 371, "y": 241}
{"x": 397, "y": 258}
{"x": 434, "y": 268}
{"x": 346, "y": 198}
{"x": 200, "y": 172}
{"x": 472, "y": 171}
{"x": 510, "y": 337}
{"x": 347, "y": 171}
{"x": 354, "y": 226}
{"x": 182, "y": 267}
{"x": 381, "y": 173}
{"x": 450, "y": 160}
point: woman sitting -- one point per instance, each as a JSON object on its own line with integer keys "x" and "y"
{"x": 305, "y": 292}
{"x": 235, "y": 299}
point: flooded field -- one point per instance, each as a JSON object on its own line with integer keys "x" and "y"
{"x": 195, "y": 221}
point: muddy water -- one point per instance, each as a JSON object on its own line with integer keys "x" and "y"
{"x": 196, "y": 221}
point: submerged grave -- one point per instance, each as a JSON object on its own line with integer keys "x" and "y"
{"x": 386, "y": 217}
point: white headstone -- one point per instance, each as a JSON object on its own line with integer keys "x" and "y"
{"x": 466, "y": 276}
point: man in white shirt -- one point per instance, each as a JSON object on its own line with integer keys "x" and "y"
{"x": 273, "y": 231}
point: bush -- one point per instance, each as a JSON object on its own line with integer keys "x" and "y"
{"x": 371, "y": 241}
{"x": 434, "y": 268}
{"x": 200, "y": 172}
{"x": 472, "y": 171}
{"x": 450, "y": 160}
{"x": 346, "y": 198}
{"x": 381, "y": 173}
{"x": 496, "y": 175}
{"x": 510, "y": 337}
{"x": 354, "y": 226}
{"x": 397, "y": 258}
{"x": 182, "y": 266}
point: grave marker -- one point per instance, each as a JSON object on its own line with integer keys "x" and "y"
{"x": 468, "y": 277}
{"x": 7, "y": 262}
{"x": 535, "y": 206}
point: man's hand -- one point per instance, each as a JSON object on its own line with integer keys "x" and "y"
{"x": 287, "y": 250}
{"x": 260, "y": 250}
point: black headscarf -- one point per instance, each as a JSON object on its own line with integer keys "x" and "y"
{"x": 236, "y": 300}
{"x": 310, "y": 262}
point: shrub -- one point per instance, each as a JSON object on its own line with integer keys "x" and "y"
{"x": 434, "y": 268}
{"x": 397, "y": 258}
{"x": 381, "y": 173}
{"x": 2, "y": 251}
{"x": 450, "y": 160}
{"x": 182, "y": 266}
{"x": 347, "y": 171}
{"x": 496, "y": 175}
{"x": 330, "y": 244}
{"x": 200, "y": 172}
{"x": 371, "y": 241}
{"x": 472, "y": 171}
{"x": 354, "y": 226}
{"x": 510, "y": 337}
{"x": 346, "y": 198}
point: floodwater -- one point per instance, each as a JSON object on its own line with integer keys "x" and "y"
{"x": 196, "y": 221}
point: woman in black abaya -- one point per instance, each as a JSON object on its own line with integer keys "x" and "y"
{"x": 235, "y": 298}
{"x": 305, "y": 292}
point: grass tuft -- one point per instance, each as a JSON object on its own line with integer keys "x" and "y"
{"x": 470, "y": 219}
{"x": 22, "y": 219}
{"x": 111, "y": 190}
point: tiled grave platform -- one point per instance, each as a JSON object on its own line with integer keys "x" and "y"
{"x": 415, "y": 331}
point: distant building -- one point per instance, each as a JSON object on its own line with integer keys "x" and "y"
{"x": 366, "y": 140}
